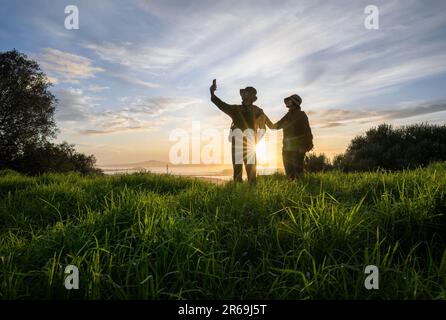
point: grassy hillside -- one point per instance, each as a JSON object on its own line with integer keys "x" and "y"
{"x": 162, "y": 237}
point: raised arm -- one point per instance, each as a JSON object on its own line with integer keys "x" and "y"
{"x": 223, "y": 106}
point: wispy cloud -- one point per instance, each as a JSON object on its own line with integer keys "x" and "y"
{"x": 135, "y": 80}
{"x": 73, "y": 105}
{"x": 96, "y": 88}
{"x": 77, "y": 110}
{"x": 342, "y": 117}
{"x": 320, "y": 49}
{"x": 158, "y": 105}
{"x": 66, "y": 67}
{"x": 332, "y": 125}
{"x": 409, "y": 112}
{"x": 112, "y": 122}
{"x": 137, "y": 57}
{"x": 137, "y": 114}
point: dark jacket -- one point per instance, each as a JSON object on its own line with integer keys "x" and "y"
{"x": 243, "y": 117}
{"x": 297, "y": 135}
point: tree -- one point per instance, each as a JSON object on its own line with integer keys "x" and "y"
{"x": 391, "y": 148}
{"x": 51, "y": 157}
{"x": 317, "y": 163}
{"x": 26, "y": 106}
{"x": 27, "y": 123}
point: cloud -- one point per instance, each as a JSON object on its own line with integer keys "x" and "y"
{"x": 72, "y": 105}
{"x": 158, "y": 105}
{"x": 96, "y": 88}
{"x": 342, "y": 117}
{"x": 135, "y": 57}
{"x": 332, "y": 125}
{"x": 77, "y": 111}
{"x": 118, "y": 122}
{"x": 137, "y": 114}
{"x": 415, "y": 111}
{"x": 320, "y": 49}
{"x": 133, "y": 79}
{"x": 66, "y": 67}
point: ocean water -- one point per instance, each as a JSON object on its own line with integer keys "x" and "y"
{"x": 199, "y": 172}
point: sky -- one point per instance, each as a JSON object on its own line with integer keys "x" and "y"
{"x": 135, "y": 71}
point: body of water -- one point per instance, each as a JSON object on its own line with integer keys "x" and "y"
{"x": 199, "y": 172}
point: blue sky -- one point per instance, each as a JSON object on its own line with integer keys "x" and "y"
{"x": 136, "y": 70}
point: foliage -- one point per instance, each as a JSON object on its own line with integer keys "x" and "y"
{"x": 54, "y": 158}
{"x": 26, "y": 106}
{"x": 391, "y": 148}
{"x": 317, "y": 162}
{"x": 27, "y": 123}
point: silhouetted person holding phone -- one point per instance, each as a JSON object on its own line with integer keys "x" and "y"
{"x": 297, "y": 137}
{"x": 246, "y": 118}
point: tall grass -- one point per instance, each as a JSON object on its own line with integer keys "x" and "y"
{"x": 144, "y": 236}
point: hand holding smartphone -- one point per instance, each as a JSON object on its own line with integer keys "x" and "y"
{"x": 214, "y": 85}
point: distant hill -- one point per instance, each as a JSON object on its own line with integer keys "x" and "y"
{"x": 149, "y": 163}
{"x": 156, "y": 164}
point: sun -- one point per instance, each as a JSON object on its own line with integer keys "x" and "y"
{"x": 261, "y": 153}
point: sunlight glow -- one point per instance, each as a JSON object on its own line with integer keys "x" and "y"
{"x": 261, "y": 152}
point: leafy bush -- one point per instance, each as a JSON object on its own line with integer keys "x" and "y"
{"x": 391, "y": 148}
{"x": 317, "y": 162}
{"x": 54, "y": 158}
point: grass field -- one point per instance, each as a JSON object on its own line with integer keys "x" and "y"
{"x": 149, "y": 236}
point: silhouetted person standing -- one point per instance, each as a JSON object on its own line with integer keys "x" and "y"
{"x": 246, "y": 117}
{"x": 297, "y": 137}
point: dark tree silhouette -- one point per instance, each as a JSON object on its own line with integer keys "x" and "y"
{"x": 26, "y": 106}
{"x": 391, "y": 148}
{"x": 27, "y": 123}
{"x": 50, "y": 157}
{"x": 317, "y": 162}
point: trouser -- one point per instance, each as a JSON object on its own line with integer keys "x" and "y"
{"x": 293, "y": 161}
{"x": 244, "y": 155}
